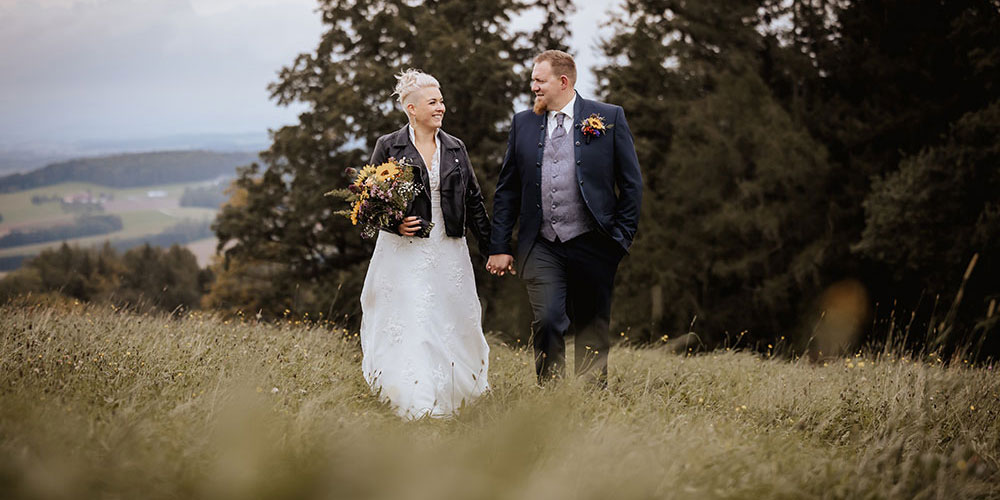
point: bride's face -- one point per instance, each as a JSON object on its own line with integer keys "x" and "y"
{"x": 426, "y": 107}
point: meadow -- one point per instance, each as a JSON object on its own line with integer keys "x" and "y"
{"x": 97, "y": 402}
{"x": 141, "y": 214}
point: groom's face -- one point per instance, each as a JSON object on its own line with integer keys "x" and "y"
{"x": 546, "y": 85}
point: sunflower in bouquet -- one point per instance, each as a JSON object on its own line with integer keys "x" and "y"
{"x": 379, "y": 196}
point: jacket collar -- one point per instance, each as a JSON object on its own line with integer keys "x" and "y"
{"x": 578, "y": 113}
{"x": 450, "y": 147}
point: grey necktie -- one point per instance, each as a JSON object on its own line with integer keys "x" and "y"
{"x": 559, "y": 131}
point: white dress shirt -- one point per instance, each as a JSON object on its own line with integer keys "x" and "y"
{"x": 567, "y": 122}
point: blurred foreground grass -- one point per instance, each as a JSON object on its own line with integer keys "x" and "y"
{"x": 97, "y": 403}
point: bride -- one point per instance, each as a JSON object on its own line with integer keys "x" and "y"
{"x": 421, "y": 331}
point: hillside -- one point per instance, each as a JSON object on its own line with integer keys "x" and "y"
{"x": 98, "y": 403}
{"x": 132, "y": 170}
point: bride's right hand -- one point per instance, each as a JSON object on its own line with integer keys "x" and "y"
{"x": 410, "y": 226}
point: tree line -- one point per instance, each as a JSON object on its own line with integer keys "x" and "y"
{"x": 183, "y": 232}
{"x": 145, "y": 278}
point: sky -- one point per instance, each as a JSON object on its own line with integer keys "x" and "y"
{"x": 98, "y": 70}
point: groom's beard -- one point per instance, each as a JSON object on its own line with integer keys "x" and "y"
{"x": 540, "y": 105}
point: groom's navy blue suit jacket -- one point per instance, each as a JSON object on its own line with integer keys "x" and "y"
{"x": 607, "y": 172}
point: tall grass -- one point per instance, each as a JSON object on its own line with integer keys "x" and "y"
{"x": 99, "y": 403}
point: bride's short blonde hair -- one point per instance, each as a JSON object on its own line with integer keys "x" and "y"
{"x": 410, "y": 81}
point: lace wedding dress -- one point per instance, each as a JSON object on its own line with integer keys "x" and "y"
{"x": 421, "y": 331}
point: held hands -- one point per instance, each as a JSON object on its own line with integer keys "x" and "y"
{"x": 500, "y": 264}
{"x": 410, "y": 226}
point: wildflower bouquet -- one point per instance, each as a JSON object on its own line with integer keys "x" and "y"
{"x": 380, "y": 196}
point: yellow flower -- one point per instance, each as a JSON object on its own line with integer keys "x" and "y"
{"x": 364, "y": 174}
{"x": 595, "y": 122}
{"x": 354, "y": 212}
{"x": 386, "y": 171}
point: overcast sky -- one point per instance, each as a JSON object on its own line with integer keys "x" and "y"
{"x": 75, "y": 70}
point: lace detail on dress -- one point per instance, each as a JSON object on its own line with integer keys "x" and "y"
{"x": 395, "y": 331}
{"x": 457, "y": 276}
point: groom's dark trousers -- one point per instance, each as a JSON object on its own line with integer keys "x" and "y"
{"x": 569, "y": 280}
{"x": 569, "y": 286}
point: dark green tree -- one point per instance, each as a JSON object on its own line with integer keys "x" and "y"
{"x": 165, "y": 279}
{"x": 734, "y": 226}
{"x": 849, "y": 88}
{"x": 279, "y": 225}
{"x": 896, "y": 74}
{"x": 145, "y": 278}
{"x": 941, "y": 209}
{"x": 889, "y": 79}
{"x": 70, "y": 271}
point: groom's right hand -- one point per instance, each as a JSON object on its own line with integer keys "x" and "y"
{"x": 501, "y": 264}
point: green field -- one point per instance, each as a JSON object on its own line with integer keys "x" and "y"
{"x": 20, "y": 213}
{"x": 97, "y": 403}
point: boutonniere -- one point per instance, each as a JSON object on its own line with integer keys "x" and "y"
{"x": 593, "y": 126}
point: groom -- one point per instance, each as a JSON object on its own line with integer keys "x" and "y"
{"x": 572, "y": 177}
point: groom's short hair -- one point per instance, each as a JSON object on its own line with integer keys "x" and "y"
{"x": 561, "y": 62}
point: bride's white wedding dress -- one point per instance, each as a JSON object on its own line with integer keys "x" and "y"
{"x": 421, "y": 329}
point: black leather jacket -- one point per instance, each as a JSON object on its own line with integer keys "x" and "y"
{"x": 461, "y": 199}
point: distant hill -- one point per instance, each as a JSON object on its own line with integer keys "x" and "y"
{"x": 25, "y": 156}
{"x": 132, "y": 169}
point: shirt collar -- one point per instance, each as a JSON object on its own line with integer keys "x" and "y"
{"x": 567, "y": 109}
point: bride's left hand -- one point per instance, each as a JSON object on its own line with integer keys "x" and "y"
{"x": 410, "y": 226}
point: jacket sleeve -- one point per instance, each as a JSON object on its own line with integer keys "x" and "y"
{"x": 476, "y": 218}
{"x": 507, "y": 201}
{"x": 628, "y": 178}
{"x": 380, "y": 156}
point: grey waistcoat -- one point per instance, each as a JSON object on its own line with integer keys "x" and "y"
{"x": 563, "y": 212}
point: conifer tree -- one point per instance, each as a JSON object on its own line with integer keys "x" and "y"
{"x": 732, "y": 229}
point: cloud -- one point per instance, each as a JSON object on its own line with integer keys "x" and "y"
{"x": 99, "y": 68}
{"x": 213, "y": 7}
